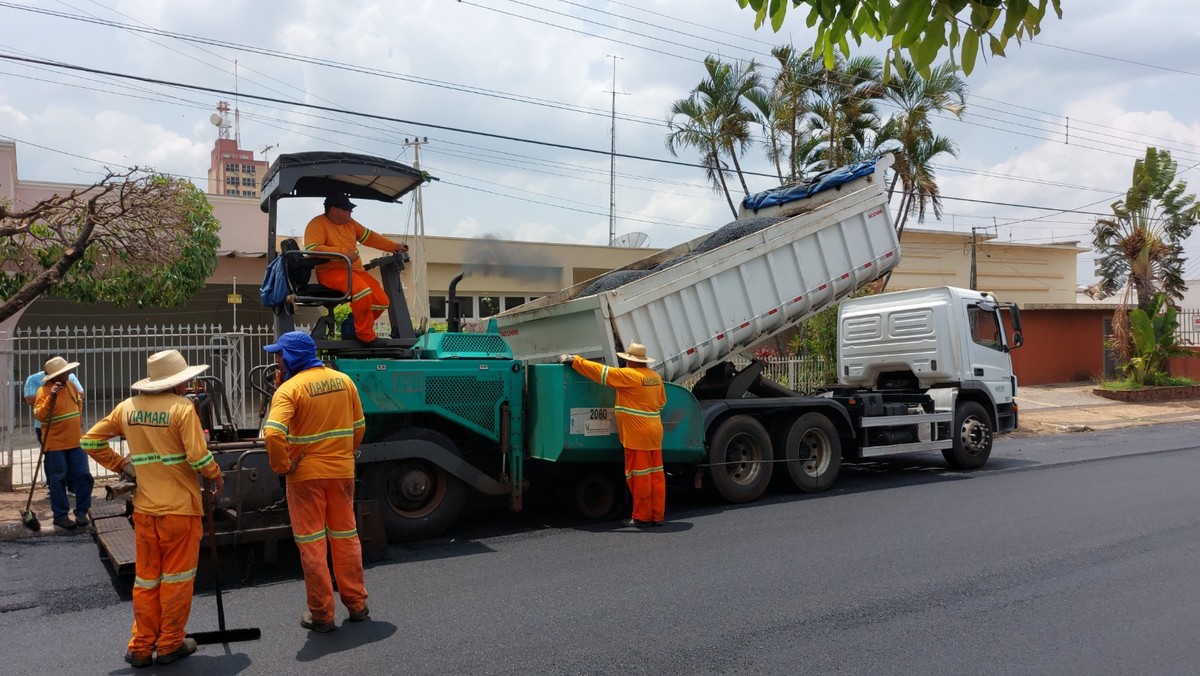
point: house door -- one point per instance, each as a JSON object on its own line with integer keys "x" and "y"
{"x": 1110, "y": 361}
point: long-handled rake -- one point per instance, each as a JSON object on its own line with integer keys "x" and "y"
{"x": 28, "y": 518}
{"x": 222, "y": 635}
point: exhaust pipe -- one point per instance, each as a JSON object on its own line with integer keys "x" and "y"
{"x": 454, "y": 318}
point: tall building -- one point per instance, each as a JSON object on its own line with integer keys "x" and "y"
{"x": 232, "y": 170}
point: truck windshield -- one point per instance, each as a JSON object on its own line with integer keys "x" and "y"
{"x": 985, "y": 327}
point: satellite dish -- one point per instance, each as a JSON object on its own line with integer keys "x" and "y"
{"x": 215, "y": 119}
{"x": 632, "y": 240}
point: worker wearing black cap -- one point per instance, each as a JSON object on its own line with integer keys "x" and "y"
{"x": 336, "y": 231}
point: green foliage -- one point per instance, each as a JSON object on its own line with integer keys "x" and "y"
{"x": 1161, "y": 381}
{"x": 1142, "y": 243}
{"x": 1155, "y": 339}
{"x": 918, "y": 29}
{"x": 130, "y": 239}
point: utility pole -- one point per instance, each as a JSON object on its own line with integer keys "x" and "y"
{"x": 973, "y": 230}
{"x": 420, "y": 286}
{"x": 612, "y": 157}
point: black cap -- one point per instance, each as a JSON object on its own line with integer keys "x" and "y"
{"x": 340, "y": 201}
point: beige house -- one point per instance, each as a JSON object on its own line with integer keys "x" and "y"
{"x": 499, "y": 275}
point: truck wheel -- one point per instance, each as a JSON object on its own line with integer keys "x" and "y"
{"x": 740, "y": 459}
{"x": 812, "y": 452}
{"x": 595, "y": 496}
{"x": 419, "y": 499}
{"x": 972, "y": 437}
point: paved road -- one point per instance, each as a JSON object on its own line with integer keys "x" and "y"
{"x": 1070, "y": 554}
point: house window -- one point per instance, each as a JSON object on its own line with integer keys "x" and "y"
{"x": 248, "y": 182}
{"x": 437, "y": 307}
{"x": 511, "y": 302}
{"x": 231, "y": 168}
{"x": 231, "y": 180}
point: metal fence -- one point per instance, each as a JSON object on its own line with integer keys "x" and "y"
{"x": 110, "y": 359}
{"x": 1189, "y": 327}
{"x": 801, "y": 375}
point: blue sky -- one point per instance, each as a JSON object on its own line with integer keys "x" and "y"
{"x": 1057, "y": 124}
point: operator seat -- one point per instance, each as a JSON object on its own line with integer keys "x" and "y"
{"x": 305, "y": 292}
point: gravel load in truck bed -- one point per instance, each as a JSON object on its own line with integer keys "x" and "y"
{"x": 724, "y": 235}
{"x": 613, "y": 280}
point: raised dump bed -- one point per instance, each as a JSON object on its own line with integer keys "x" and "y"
{"x": 716, "y": 302}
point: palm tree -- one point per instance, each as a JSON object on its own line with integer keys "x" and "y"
{"x": 716, "y": 119}
{"x": 786, "y": 105}
{"x": 909, "y": 133}
{"x": 1142, "y": 243}
{"x": 693, "y": 126}
{"x": 842, "y": 112}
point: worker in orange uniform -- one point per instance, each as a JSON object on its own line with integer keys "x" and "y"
{"x": 59, "y": 405}
{"x": 640, "y": 398}
{"x": 336, "y": 231}
{"x": 315, "y": 424}
{"x": 166, "y": 450}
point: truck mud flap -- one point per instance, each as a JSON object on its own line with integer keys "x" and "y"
{"x": 415, "y": 448}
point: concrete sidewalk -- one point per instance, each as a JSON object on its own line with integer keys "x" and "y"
{"x": 1044, "y": 410}
{"x": 1072, "y": 408}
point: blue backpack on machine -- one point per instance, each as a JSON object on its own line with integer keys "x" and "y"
{"x": 274, "y": 290}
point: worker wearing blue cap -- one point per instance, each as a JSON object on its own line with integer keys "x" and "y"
{"x": 315, "y": 425}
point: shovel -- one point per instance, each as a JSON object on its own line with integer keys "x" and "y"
{"x": 28, "y": 518}
{"x": 222, "y": 635}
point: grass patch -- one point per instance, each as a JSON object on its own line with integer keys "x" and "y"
{"x": 1162, "y": 381}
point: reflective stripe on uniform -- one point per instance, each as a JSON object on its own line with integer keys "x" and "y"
{"x": 174, "y": 459}
{"x": 203, "y": 462}
{"x": 643, "y": 472}
{"x": 365, "y": 235}
{"x": 275, "y": 425}
{"x": 314, "y": 438}
{"x": 310, "y": 247}
{"x": 604, "y": 376}
{"x": 361, "y": 422}
{"x": 65, "y": 416}
{"x": 637, "y": 412}
{"x": 311, "y": 537}
{"x": 93, "y": 444}
{"x": 343, "y": 533}
{"x": 361, "y": 294}
{"x": 146, "y": 584}
{"x": 179, "y": 577}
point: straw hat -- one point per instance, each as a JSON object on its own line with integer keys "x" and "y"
{"x": 56, "y": 366}
{"x": 637, "y": 352}
{"x": 167, "y": 369}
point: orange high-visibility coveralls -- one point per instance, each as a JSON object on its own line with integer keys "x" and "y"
{"x": 167, "y": 448}
{"x": 367, "y": 299}
{"x": 316, "y": 416}
{"x": 640, "y": 397}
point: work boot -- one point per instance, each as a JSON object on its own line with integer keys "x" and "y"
{"x": 635, "y": 523}
{"x": 64, "y": 522}
{"x": 139, "y": 662}
{"x": 360, "y": 615}
{"x": 186, "y": 648}
{"x": 82, "y": 521}
{"x": 306, "y": 621}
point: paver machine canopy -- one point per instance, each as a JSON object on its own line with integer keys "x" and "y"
{"x": 363, "y": 177}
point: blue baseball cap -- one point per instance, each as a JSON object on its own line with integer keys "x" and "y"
{"x": 293, "y": 341}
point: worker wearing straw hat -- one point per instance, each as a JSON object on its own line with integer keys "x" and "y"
{"x": 640, "y": 397}
{"x": 166, "y": 450}
{"x": 59, "y": 406}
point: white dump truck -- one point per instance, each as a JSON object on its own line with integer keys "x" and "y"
{"x": 919, "y": 370}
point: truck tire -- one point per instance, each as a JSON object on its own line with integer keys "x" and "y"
{"x": 740, "y": 459}
{"x": 595, "y": 496}
{"x": 811, "y": 451}
{"x": 972, "y": 437}
{"x": 417, "y": 498}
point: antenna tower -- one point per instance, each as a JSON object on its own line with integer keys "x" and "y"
{"x": 612, "y": 157}
{"x": 220, "y": 119}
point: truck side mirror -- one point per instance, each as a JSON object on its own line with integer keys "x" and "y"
{"x": 1017, "y": 340}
